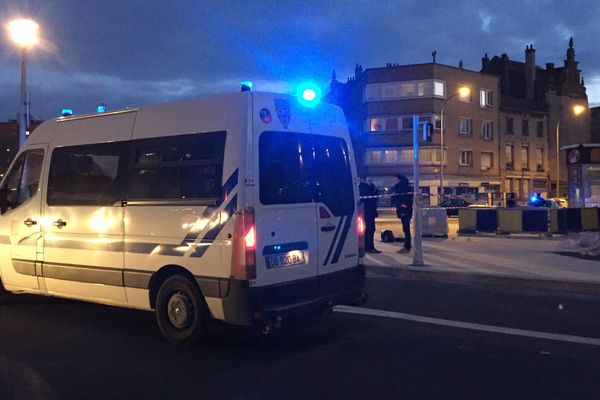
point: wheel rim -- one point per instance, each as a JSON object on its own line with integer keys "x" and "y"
{"x": 180, "y": 310}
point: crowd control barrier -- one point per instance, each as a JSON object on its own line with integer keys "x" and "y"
{"x": 434, "y": 221}
{"x": 477, "y": 220}
{"x": 529, "y": 219}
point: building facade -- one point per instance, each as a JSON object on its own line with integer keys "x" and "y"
{"x": 380, "y": 103}
{"x": 536, "y": 119}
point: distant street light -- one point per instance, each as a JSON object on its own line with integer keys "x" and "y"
{"x": 24, "y": 33}
{"x": 462, "y": 92}
{"x": 577, "y": 109}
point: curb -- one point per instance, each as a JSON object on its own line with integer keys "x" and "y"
{"x": 487, "y": 279}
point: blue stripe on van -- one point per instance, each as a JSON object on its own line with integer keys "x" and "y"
{"x": 337, "y": 231}
{"x": 212, "y": 234}
{"x": 340, "y": 245}
{"x": 227, "y": 188}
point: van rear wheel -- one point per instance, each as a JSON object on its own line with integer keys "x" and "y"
{"x": 181, "y": 311}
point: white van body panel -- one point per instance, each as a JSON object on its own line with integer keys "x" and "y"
{"x": 112, "y": 253}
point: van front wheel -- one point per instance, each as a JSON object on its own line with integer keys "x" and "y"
{"x": 180, "y": 311}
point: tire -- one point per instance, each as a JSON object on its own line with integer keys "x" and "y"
{"x": 181, "y": 311}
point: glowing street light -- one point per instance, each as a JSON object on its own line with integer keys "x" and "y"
{"x": 464, "y": 92}
{"x": 24, "y": 33}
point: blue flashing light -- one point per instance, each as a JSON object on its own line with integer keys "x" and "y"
{"x": 102, "y": 108}
{"x": 66, "y": 112}
{"x": 246, "y": 86}
{"x": 309, "y": 94}
{"x": 533, "y": 198}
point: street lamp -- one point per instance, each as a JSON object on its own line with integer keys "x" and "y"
{"x": 462, "y": 92}
{"x": 577, "y": 109}
{"x": 24, "y": 32}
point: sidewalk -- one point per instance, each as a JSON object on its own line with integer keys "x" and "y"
{"x": 518, "y": 260}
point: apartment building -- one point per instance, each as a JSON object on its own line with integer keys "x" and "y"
{"x": 539, "y": 107}
{"x": 380, "y": 103}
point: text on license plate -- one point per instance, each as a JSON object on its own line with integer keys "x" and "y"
{"x": 294, "y": 257}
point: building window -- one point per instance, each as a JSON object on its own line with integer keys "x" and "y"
{"x": 486, "y": 98}
{"x": 407, "y": 122}
{"x": 540, "y": 128}
{"x": 487, "y": 130}
{"x": 465, "y": 158}
{"x": 406, "y": 89}
{"x": 524, "y": 157}
{"x": 509, "y": 156}
{"x": 402, "y": 156}
{"x": 525, "y": 127}
{"x": 539, "y": 159}
{"x": 465, "y": 126}
{"x": 487, "y": 159}
{"x": 510, "y": 126}
{"x": 439, "y": 88}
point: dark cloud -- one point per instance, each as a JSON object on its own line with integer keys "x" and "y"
{"x": 134, "y": 52}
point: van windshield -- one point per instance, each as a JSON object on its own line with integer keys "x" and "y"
{"x": 305, "y": 168}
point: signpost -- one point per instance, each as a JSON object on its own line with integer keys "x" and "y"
{"x": 417, "y": 247}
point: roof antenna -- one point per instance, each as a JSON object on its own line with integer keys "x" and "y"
{"x": 433, "y": 54}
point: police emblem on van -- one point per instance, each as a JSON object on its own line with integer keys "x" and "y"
{"x": 282, "y": 106}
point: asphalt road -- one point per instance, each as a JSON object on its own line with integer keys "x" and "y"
{"x": 58, "y": 349}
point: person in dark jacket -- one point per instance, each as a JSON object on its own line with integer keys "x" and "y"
{"x": 368, "y": 191}
{"x": 403, "y": 201}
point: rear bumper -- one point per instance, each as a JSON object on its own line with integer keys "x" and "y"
{"x": 266, "y": 305}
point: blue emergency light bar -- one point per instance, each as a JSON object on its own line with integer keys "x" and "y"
{"x": 66, "y": 112}
{"x": 309, "y": 94}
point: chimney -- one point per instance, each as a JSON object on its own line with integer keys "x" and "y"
{"x": 485, "y": 61}
{"x": 505, "y": 81}
{"x": 530, "y": 72}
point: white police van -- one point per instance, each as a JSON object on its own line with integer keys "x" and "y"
{"x": 240, "y": 207}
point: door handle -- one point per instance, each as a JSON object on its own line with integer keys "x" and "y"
{"x": 29, "y": 222}
{"x": 327, "y": 228}
{"x": 59, "y": 223}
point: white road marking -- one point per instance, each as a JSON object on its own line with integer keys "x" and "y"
{"x": 376, "y": 261}
{"x": 468, "y": 325}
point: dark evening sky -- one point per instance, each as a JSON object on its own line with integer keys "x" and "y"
{"x": 128, "y": 53}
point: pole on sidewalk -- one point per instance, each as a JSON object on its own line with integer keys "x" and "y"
{"x": 417, "y": 248}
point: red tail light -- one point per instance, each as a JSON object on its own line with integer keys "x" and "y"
{"x": 360, "y": 227}
{"x": 243, "y": 261}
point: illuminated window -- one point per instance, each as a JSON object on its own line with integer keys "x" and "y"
{"x": 486, "y": 98}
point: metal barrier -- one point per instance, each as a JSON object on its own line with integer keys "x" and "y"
{"x": 530, "y": 219}
{"x": 434, "y": 221}
{"x": 477, "y": 220}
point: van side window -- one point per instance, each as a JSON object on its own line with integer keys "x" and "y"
{"x": 177, "y": 167}
{"x": 23, "y": 181}
{"x": 88, "y": 175}
{"x": 304, "y": 168}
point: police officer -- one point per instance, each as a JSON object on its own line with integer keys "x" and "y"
{"x": 368, "y": 193}
{"x": 403, "y": 201}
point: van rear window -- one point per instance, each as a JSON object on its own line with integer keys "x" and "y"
{"x": 305, "y": 168}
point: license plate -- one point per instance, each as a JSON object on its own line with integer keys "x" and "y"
{"x": 294, "y": 257}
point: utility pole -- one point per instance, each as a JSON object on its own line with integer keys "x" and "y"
{"x": 417, "y": 247}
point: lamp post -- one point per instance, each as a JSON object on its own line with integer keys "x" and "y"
{"x": 24, "y": 32}
{"x": 464, "y": 92}
{"x": 577, "y": 109}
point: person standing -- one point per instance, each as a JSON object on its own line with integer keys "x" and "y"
{"x": 368, "y": 193}
{"x": 403, "y": 201}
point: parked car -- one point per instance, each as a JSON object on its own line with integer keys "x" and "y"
{"x": 452, "y": 205}
{"x": 561, "y": 202}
